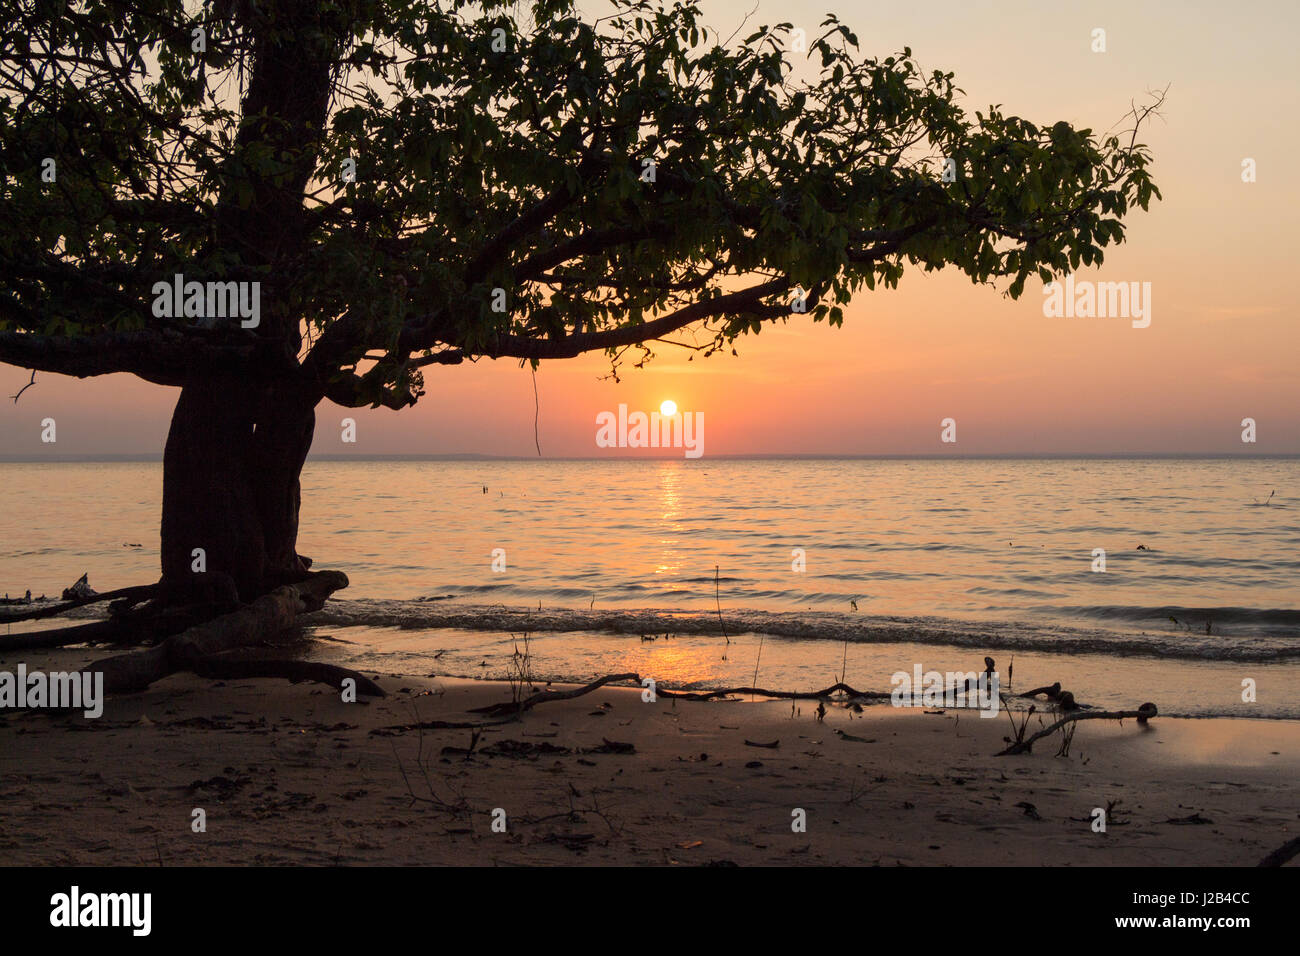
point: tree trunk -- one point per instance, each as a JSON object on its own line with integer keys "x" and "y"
{"x": 231, "y": 495}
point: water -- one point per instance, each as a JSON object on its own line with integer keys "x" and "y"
{"x": 960, "y": 557}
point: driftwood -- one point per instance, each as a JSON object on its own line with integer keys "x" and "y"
{"x": 545, "y": 696}
{"x": 199, "y": 648}
{"x": 1282, "y": 854}
{"x": 510, "y": 710}
{"x": 1143, "y": 714}
{"x": 777, "y": 694}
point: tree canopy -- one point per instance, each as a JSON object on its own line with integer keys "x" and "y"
{"x": 417, "y": 183}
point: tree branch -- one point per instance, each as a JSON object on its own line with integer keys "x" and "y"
{"x": 1143, "y": 714}
{"x": 25, "y": 387}
{"x": 161, "y": 356}
{"x": 745, "y": 302}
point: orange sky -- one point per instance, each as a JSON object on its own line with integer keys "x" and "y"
{"x": 1222, "y": 344}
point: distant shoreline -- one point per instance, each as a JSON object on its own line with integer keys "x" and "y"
{"x": 467, "y": 456}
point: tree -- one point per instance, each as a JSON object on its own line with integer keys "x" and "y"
{"x": 413, "y": 183}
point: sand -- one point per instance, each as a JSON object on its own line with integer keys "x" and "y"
{"x": 290, "y": 774}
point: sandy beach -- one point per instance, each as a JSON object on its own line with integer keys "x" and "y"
{"x": 290, "y": 774}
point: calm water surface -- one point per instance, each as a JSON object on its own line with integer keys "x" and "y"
{"x": 811, "y": 556}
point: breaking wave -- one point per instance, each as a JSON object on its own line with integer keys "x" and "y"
{"x": 1175, "y": 632}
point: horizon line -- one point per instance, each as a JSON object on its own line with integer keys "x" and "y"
{"x": 756, "y": 456}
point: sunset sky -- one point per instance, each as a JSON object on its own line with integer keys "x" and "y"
{"x": 1222, "y": 344}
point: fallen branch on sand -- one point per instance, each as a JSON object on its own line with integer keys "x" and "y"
{"x": 546, "y": 696}
{"x": 1282, "y": 854}
{"x": 508, "y": 711}
{"x": 1142, "y": 714}
{"x": 779, "y": 694}
{"x": 199, "y": 648}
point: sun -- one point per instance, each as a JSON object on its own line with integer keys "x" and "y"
{"x": 668, "y": 409}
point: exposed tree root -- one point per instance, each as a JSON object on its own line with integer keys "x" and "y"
{"x": 294, "y": 671}
{"x": 99, "y": 632}
{"x": 138, "y": 592}
{"x": 198, "y": 648}
{"x": 1143, "y": 714}
{"x": 134, "y": 626}
{"x": 168, "y": 611}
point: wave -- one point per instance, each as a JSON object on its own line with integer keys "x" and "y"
{"x": 1277, "y": 619}
{"x": 1173, "y": 642}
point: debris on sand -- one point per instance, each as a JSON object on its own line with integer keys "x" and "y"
{"x": 80, "y": 590}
